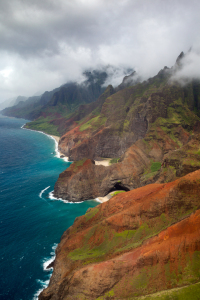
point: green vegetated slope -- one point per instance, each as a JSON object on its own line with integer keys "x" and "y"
{"x": 27, "y": 109}
{"x": 110, "y": 241}
{"x": 60, "y": 102}
{"x": 127, "y": 113}
{"x": 135, "y": 245}
{"x": 133, "y": 113}
{"x": 148, "y": 101}
{"x": 44, "y": 125}
{"x": 191, "y": 292}
{"x": 59, "y": 119}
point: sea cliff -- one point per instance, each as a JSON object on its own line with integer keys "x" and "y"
{"x": 136, "y": 244}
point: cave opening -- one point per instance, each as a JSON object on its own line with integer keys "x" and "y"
{"x": 119, "y": 187}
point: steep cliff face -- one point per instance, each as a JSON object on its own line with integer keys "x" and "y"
{"x": 151, "y": 125}
{"x": 25, "y": 108}
{"x": 137, "y": 243}
{"x": 159, "y": 157}
{"x": 128, "y": 115}
{"x": 52, "y": 109}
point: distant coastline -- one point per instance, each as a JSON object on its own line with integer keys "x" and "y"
{"x": 55, "y": 138}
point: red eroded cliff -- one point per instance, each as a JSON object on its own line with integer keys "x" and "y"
{"x": 137, "y": 243}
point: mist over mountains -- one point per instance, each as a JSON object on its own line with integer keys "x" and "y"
{"x": 45, "y": 45}
{"x": 66, "y": 99}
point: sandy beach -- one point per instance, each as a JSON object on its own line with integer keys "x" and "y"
{"x": 107, "y": 197}
{"x": 105, "y": 162}
{"x": 104, "y": 199}
{"x": 57, "y": 138}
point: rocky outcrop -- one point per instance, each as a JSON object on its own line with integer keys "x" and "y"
{"x": 181, "y": 161}
{"x": 127, "y": 116}
{"x": 156, "y": 158}
{"x": 137, "y": 243}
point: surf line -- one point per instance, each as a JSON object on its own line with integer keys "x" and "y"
{"x": 49, "y": 136}
{"x": 57, "y": 153}
{"x": 40, "y": 194}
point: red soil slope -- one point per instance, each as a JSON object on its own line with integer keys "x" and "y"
{"x": 137, "y": 243}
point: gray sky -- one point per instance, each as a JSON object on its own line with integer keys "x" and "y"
{"x": 45, "y": 43}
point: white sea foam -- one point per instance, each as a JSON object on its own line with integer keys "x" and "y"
{"x": 51, "y": 137}
{"x": 45, "y": 263}
{"x": 54, "y": 247}
{"x": 57, "y": 153}
{"x": 40, "y": 194}
{"x": 52, "y": 197}
{"x": 48, "y": 260}
{"x": 65, "y": 158}
{"x": 44, "y": 284}
{"x": 98, "y": 200}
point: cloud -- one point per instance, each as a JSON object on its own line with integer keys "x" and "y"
{"x": 189, "y": 67}
{"x": 47, "y": 43}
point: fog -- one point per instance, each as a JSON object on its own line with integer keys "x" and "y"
{"x": 189, "y": 67}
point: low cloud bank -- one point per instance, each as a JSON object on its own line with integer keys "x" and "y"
{"x": 187, "y": 67}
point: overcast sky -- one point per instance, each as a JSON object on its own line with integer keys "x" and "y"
{"x": 45, "y": 43}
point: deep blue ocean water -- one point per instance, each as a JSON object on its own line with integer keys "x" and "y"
{"x": 31, "y": 224}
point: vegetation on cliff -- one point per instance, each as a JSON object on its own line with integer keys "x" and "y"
{"x": 145, "y": 240}
{"x": 143, "y": 243}
{"x": 58, "y": 103}
{"x": 136, "y": 244}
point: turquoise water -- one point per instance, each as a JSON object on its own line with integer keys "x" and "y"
{"x": 31, "y": 223}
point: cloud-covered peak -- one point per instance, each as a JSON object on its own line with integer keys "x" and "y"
{"x": 47, "y": 43}
{"x": 187, "y": 67}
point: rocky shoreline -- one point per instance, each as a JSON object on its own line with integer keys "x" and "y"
{"x": 146, "y": 239}
{"x": 138, "y": 243}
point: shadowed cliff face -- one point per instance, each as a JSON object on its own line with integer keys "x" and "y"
{"x": 157, "y": 158}
{"x": 54, "y": 105}
{"x": 137, "y": 243}
{"x": 128, "y": 115}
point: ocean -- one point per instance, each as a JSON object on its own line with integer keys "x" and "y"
{"x": 31, "y": 221}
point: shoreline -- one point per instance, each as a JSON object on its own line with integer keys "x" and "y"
{"x": 104, "y": 162}
{"x": 55, "y": 138}
{"x": 48, "y": 264}
{"x": 108, "y": 196}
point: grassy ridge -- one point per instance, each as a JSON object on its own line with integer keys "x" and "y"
{"x": 43, "y": 125}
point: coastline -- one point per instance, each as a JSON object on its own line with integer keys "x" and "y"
{"x": 55, "y": 138}
{"x": 47, "y": 263}
{"x": 105, "y": 162}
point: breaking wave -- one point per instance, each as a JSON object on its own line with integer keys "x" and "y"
{"x": 45, "y": 263}
{"x": 40, "y": 194}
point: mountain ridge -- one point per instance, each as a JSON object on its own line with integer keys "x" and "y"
{"x": 145, "y": 239}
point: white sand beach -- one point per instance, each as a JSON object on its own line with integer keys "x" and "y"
{"x": 61, "y": 155}
{"x": 57, "y": 138}
{"x": 105, "y": 162}
{"x": 107, "y": 197}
